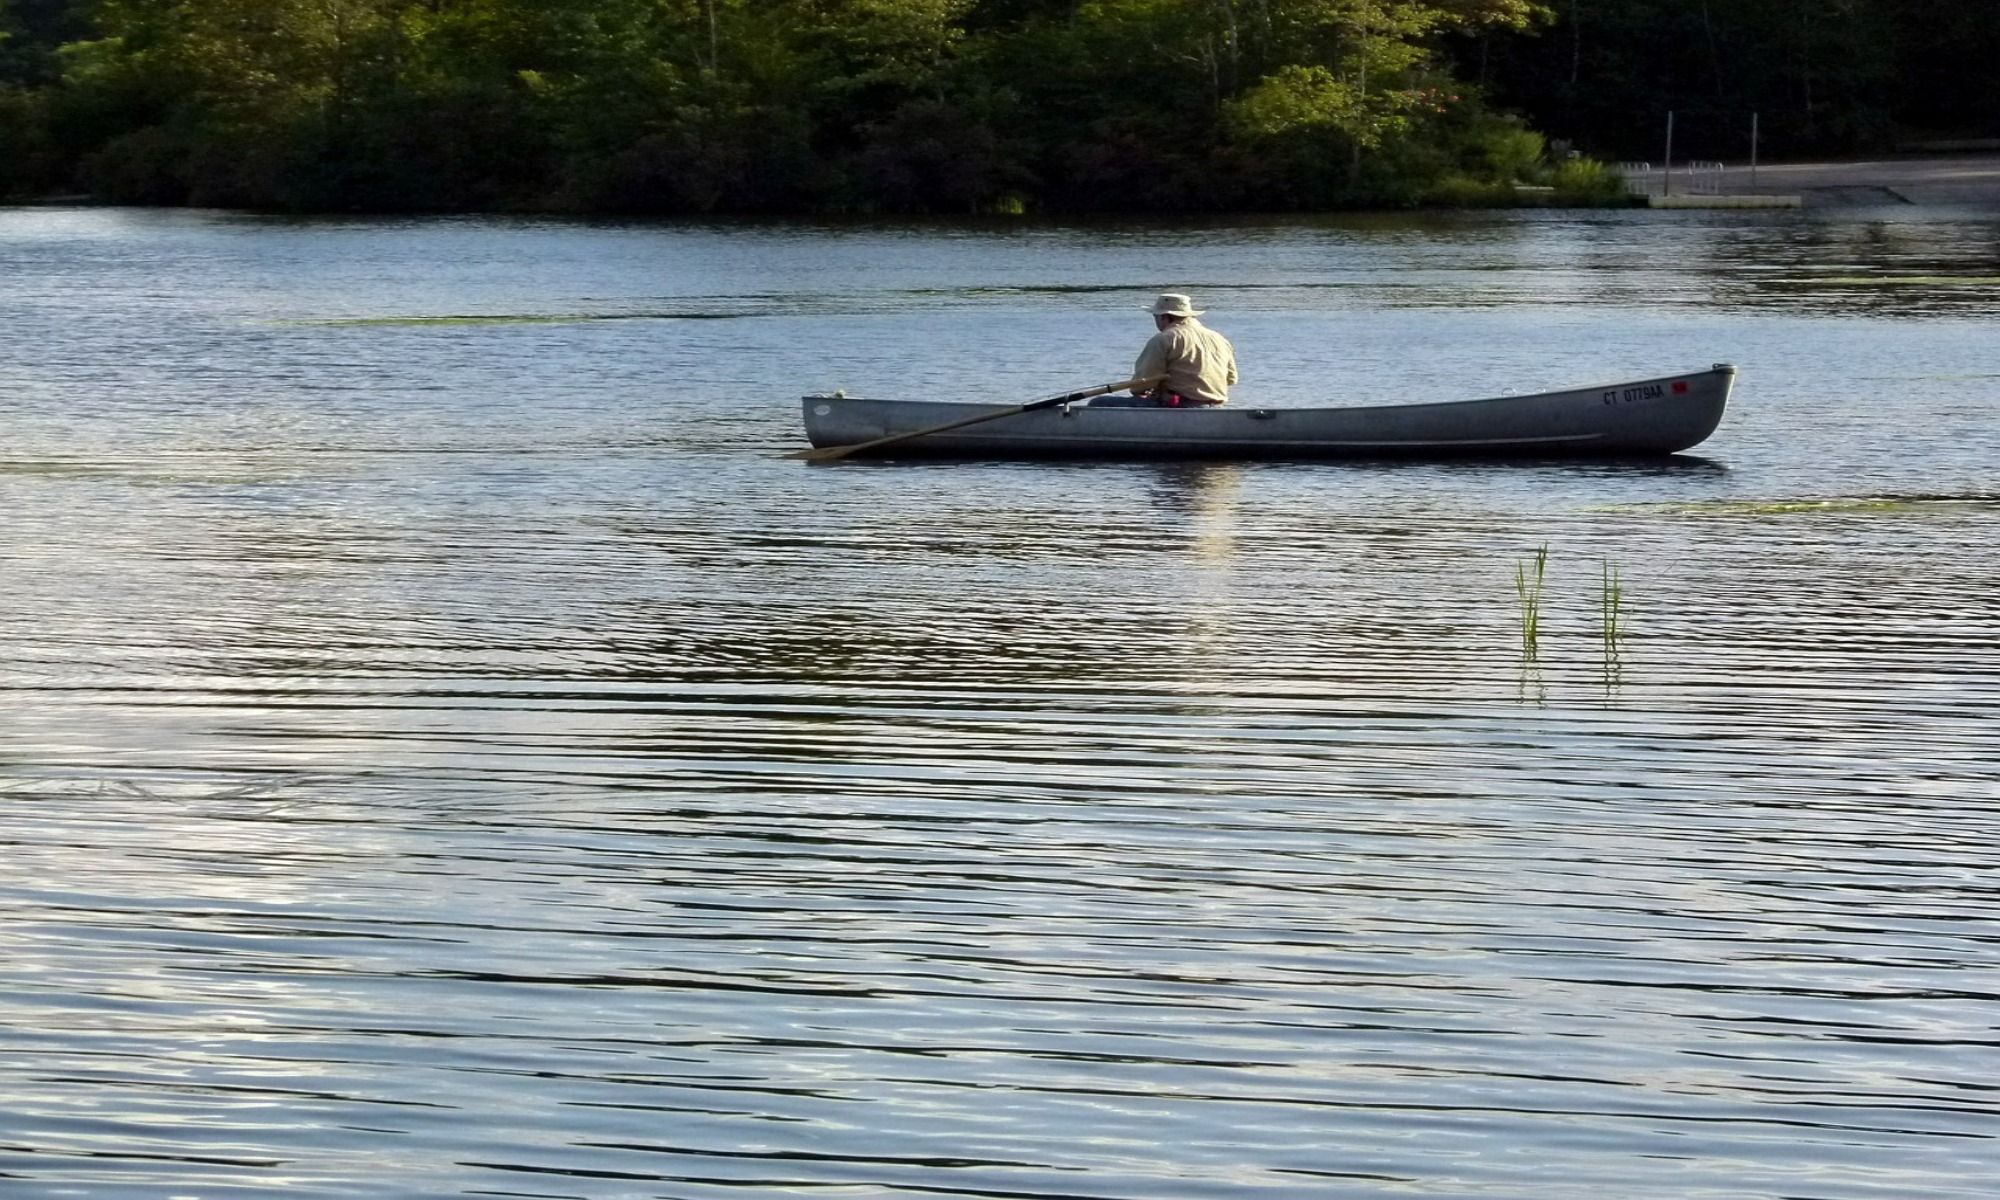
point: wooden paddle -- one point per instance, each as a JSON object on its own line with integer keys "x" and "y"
{"x": 829, "y": 453}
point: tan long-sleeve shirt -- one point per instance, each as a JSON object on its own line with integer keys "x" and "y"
{"x": 1199, "y": 363}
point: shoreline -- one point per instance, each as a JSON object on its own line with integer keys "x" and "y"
{"x": 1959, "y": 180}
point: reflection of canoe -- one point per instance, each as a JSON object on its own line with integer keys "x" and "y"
{"x": 1650, "y": 416}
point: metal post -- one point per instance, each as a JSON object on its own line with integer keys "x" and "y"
{"x": 1667, "y": 173}
{"x": 1753, "y": 152}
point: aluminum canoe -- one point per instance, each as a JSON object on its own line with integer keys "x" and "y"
{"x": 1641, "y": 417}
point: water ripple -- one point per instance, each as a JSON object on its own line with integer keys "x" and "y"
{"x": 445, "y": 759}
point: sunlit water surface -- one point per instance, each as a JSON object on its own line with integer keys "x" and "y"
{"x": 446, "y": 750}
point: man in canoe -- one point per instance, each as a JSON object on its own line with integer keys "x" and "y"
{"x": 1199, "y": 363}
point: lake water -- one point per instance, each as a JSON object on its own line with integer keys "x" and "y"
{"x": 446, "y": 750}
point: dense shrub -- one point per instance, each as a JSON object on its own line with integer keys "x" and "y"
{"x": 1586, "y": 182}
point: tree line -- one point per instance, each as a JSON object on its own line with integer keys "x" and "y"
{"x": 694, "y": 106}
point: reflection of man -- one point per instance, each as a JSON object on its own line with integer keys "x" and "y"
{"x": 1199, "y": 363}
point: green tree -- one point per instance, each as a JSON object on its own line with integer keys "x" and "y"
{"x": 938, "y": 105}
{"x": 1360, "y": 76}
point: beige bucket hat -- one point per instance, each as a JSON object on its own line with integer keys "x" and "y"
{"x": 1174, "y": 304}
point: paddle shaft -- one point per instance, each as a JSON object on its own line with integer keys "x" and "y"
{"x": 829, "y": 453}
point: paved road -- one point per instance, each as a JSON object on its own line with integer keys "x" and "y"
{"x": 1958, "y": 180}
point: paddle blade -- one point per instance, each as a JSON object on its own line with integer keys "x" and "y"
{"x": 823, "y": 453}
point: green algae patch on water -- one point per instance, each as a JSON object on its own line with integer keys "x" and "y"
{"x": 1835, "y": 505}
{"x": 493, "y": 319}
{"x": 455, "y": 319}
{"x": 1913, "y": 280}
{"x": 1892, "y": 281}
{"x": 54, "y": 467}
{"x": 1778, "y": 508}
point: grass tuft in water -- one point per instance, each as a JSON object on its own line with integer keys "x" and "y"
{"x": 1611, "y": 610}
{"x": 1529, "y": 578}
